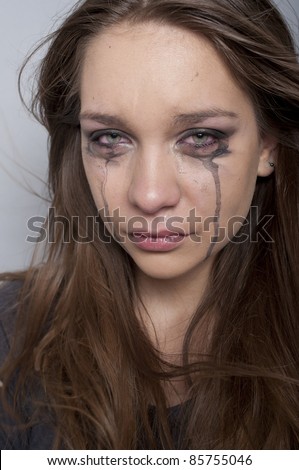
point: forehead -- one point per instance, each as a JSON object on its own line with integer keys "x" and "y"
{"x": 159, "y": 69}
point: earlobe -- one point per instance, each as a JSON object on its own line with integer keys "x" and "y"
{"x": 265, "y": 168}
{"x": 267, "y": 157}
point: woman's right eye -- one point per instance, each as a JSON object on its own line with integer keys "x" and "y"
{"x": 108, "y": 144}
{"x": 108, "y": 139}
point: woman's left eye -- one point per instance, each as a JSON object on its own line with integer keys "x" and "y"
{"x": 203, "y": 142}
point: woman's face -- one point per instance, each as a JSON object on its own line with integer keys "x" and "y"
{"x": 170, "y": 146}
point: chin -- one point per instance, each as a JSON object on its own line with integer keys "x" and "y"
{"x": 165, "y": 270}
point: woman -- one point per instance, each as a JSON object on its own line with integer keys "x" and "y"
{"x": 165, "y": 312}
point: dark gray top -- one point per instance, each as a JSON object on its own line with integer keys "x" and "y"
{"x": 39, "y": 436}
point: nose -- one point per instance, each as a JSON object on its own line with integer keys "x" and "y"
{"x": 154, "y": 184}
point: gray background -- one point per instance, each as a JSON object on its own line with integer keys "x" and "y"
{"x": 23, "y": 143}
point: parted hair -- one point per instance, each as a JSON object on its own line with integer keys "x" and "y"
{"x": 82, "y": 340}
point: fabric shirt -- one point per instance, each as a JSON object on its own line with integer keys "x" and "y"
{"x": 11, "y": 438}
{"x": 40, "y": 436}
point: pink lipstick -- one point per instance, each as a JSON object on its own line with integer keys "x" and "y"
{"x": 161, "y": 241}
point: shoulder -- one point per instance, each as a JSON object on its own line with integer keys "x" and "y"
{"x": 9, "y": 294}
{"x": 41, "y": 435}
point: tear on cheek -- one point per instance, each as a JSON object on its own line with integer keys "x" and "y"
{"x": 104, "y": 169}
{"x": 213, "y": 168}
{"x": 206, "y": 164}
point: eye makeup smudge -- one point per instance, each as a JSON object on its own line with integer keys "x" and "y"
{"x": 213, "y": 168}
{"x": 104, "y": 169}
{"x": 191, "y": 150}
{"x": 103, "y": 189}
{"x": 105, "y": 212}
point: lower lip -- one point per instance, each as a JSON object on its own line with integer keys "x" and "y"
{"x": 167, "y": 243}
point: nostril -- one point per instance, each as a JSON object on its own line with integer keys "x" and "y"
{"x": 153, "y": 200}
{"x": 153, "y": 195}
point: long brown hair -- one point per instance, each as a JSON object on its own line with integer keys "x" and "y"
{"x": 82, "y": 338}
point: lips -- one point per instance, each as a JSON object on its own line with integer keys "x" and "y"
{"x": 160, "y": 234}
{"x": 161, "y": 241}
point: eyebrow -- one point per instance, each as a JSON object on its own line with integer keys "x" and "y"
{"x": 188, "y": 118}
{"x": 107, "y": 119}
{"x": 203, "y": 115}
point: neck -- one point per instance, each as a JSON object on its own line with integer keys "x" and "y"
{"x": 169, "y": 304}
{"x": 166, "y": 309}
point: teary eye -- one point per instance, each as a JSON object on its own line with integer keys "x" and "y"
{"x": 108, "y": 138}
{"x": 108, "y": 143}
{"x": 203, "y": 142}
{"x": 201, "y": 139}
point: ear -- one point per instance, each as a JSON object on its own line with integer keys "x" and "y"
{"x": 267, "y": 158}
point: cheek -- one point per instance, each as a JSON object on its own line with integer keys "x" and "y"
{"x": 202, "y": 185}
{"x": 107, "y": 185}
{"x": 238, "y": 184}
{"x": 96, "y": 173}
{"x": 237, "y": 193}
{"x": 221, "y": 192}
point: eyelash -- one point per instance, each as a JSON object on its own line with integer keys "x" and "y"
{"x": 109, "y": 148}
{"x": 218, "y": 138}
{"x": 206, "y": 149}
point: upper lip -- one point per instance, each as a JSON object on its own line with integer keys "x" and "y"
{"x": 160, "y": 234}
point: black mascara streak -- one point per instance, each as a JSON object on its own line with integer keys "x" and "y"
{"x": 106, "y": 207}
{"x": 213, "y": 168}
{"x": 106, "y": 214}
